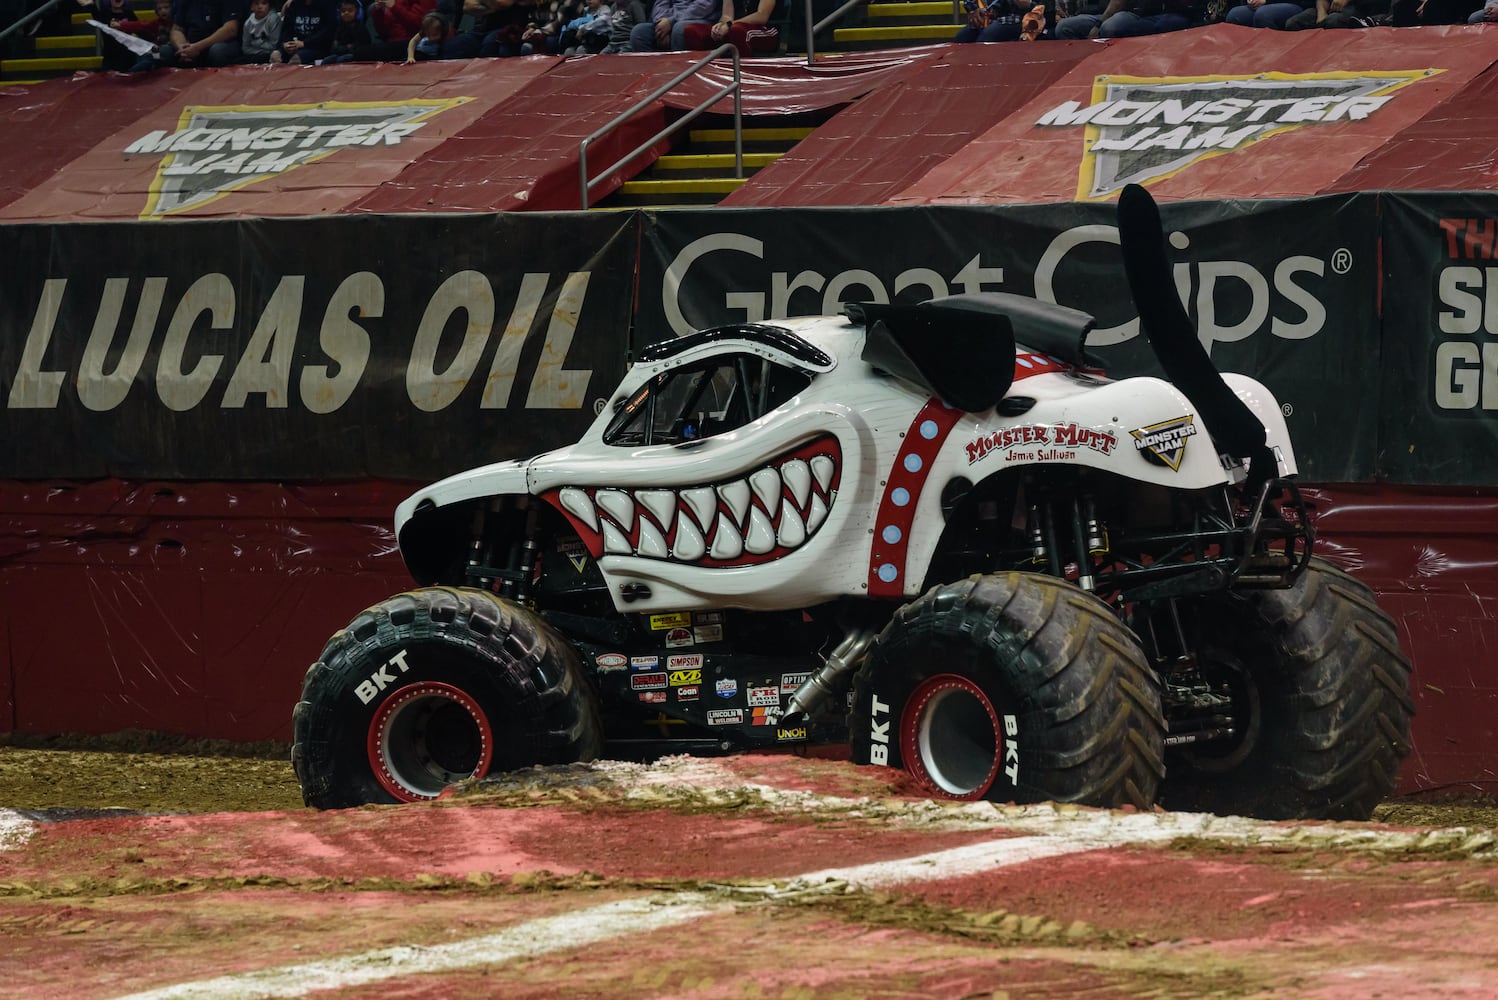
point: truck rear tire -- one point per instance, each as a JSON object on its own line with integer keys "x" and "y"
{"x": 1318, "y": 671}
{"x": 1012, "y": 687}
{"x": 434, "y": 687}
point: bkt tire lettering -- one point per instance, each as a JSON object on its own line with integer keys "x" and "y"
{"x": 835, "y": 290}
{"x": 878, "y": 732}
{"x": 1305, "y": 319}
{"x": 1011, "y": 749}
{"x": 370, "y": 688}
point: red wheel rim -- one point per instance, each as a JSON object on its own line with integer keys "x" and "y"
{"x": 951, "y": 740}
{"x": 427, "y": 736}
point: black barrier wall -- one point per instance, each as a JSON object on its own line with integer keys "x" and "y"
{"x": 406, "y": 347}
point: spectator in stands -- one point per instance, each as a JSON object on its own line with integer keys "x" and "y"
{"x": 438, "y": 40}
{"x": 588, "y": 32}
{"x": 668, "y": 22}
{"x": 744, "y": 24}
{"x": 1080, "y": 22}
{"x": 1487, "y": 15}
{"x": 157, "y": 32}
{"x": 1265, "y": 13}
{"x": 498, "y": 25}
{"x": 1130, "y": 18}
{"x": 1001, "y": 21}
{"x": 113, "y": 13}
{"x": 1341, "y": 14}
{"x": 349, "y": 36}
{"x": 307, "y": 28}
{"x": 1410, "y": 13}
{"x": 627, "y": 14}
{"x": 396, "y": 22}
{"x": 262, "y": 33}
{"x": 204, "y": 33}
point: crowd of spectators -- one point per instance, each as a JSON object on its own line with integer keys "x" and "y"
{"x": 1002, "y": 20}
{"x": 310, "y": 32}
{"x": 314, "y": 32}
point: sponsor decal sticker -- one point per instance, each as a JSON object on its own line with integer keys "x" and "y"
{"x": 678, "y": 637}
{"x": 1164, "y": 443}
{"x": 575, "y": 552}
{"x": 644, "y": 662}
{"x": 1143, "y": 129}
{"x": 653, "y": 697}
{"x": 676, "y": 619}
{"x": 798, "y": 733}
{"x": 683, "y": 677}
{"x": 684, "y": 661}
{"x": 217, "y": 150}
{"x": 610, "y": 662}
{"x": 764, "y": 696}
{"x": 725, "y": 717}
{"x": 688, "y": 693}
{"x": 726, "y": 687}
{"x": 1040, "y": 443}
{"x": 708, "y": 633}
{"x": 763, "y": 716}
{"x": 790, "y": 682}
{"x": 707, "y": 617}
{"x": 647, "y": 682}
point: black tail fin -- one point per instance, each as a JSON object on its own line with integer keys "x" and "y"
{"x": 1173, "y": 337}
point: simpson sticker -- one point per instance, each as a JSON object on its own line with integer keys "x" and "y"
{"x": 683, "y": 677}
{"x": 647, "y": 682}
{"x": 725, "y": 717}
{"x": 726, "y": 687}
{"x": 676, "y": 619}
{"x": 684, "y": 661}
{"x": 1164, "y": 443}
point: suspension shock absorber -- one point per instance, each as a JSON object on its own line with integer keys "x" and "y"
{"x": 529, "y": 550}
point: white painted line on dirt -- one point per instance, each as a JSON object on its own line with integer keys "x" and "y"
{"x": 15, "y": 829}
{"x": 601, "y": 923}
{"x": 536, "y": 937}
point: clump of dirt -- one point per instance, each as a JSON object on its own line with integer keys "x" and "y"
{"x": 1471, "y": 811}
{"x": 145, "y": 772}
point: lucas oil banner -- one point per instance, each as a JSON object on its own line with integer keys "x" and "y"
{"x": 1285, "y": 291}
{"x": 357, "y": 346}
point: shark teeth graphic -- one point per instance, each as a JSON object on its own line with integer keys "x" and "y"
{"x": 767, "y": 514}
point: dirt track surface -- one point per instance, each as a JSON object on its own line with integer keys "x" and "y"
{"x": 769, "y": 876}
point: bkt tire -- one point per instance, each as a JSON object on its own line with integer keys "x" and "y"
{"x": 1322, "y": 698}
{"x": 1012, "y": 687}
{"x": 433, "y": 687}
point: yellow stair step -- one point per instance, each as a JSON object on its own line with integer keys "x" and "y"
{"x": 63, "y": 63}
{"x": 713, "y": 161}
{"x": 898, "y": 33}
{"x": 751, "y": 134}
{"x": 701, "y": 185}
{"x": 916, "y": 8}
{"x": 53, "y": 43}
{"x": 149, "y": 14}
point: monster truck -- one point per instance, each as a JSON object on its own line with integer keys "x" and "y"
{"x": 935, "y": 531}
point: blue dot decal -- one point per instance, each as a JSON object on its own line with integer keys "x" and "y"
{"x": 900, "y": 497}
{"x": 928, "y": 429}
{"x": 887, "y": 573}
{"x": 892, "y": 535}
{"x": 913, "y": 463}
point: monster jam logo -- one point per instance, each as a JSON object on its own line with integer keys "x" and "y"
{"x": 218, "y": 150}
{"x": 1141, "y": 129}
{"x": 1165, "y": 442}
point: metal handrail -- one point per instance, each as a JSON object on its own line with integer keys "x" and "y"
{"x": 35, "y": 15}
{"x": 734, "y": 88}
{"x": 812, "y": 29}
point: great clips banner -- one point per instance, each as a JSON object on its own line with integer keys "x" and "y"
{"x": 1284, "y": 291}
